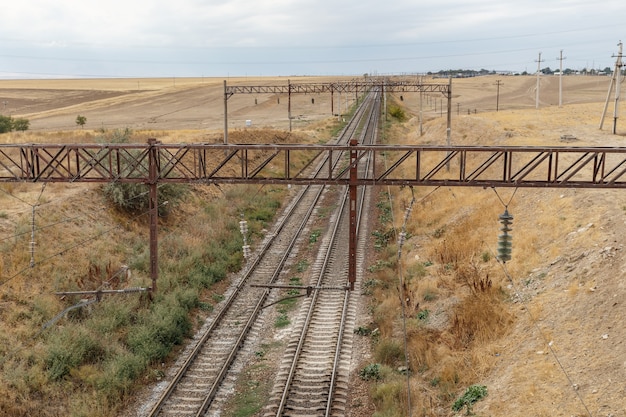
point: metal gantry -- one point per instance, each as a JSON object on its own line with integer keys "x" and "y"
{"x": 357, "y": 86}
{"x": 200, "y": 163}
{"x": 407, "y": 165}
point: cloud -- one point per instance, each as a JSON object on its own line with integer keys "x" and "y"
{"x": 196, "y": 37}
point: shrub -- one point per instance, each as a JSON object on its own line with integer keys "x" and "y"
{"x": 397, "y": 113}
{"x": 134, "y": 198}
{"x": 363, "y": 331}
{"x": 69, "y": 349}
{"x": 389, "y": 352}
{"x": 472, "y": 394}
{"x": 370, "y": 372}
{"x": 21, "y": 125}
{"x": 9, "y": 124}
{"x": 121, "y": 372}
{"x": 81, "y": 120}
{"x": 6, "y": 124}
{"x": 423, "y": 314}
{"x": 163, "y": 326}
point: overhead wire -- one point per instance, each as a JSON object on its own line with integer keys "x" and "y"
{"x": 401, "y": 238}
{"x": 533, "y": 320}
{"x": 548, "y": 343}
{"x": 69, "y": 219}
{"x": 402, "y": 294}
{"x": 78, "y": 244}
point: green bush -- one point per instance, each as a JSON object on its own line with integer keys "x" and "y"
{"x": 370, "y": 372}
{"x": 9, "y": 124}
{"x": 423, "y": 314}
{"x": 162, "y": 327}
{"x": 21, "y": 125}
{"x": 472, "y": 394}
{"x": 6, "y": 124}
{"x": 397, "y": 113}
{"x": 132, "y": 197}
{"x": 121, "y": 372}
{"x": 70, "y": 348}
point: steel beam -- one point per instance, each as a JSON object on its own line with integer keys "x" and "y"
{"x": 467, "y": 166}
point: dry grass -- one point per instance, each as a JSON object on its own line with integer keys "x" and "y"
{"x": 81, "y": 241}
{"x": 486, "y": 328}
{"x": 565, "y": 272}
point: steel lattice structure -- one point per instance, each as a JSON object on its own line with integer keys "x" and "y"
{"x": 154, "y": 163}
{"x": 342, "y": 87}
{"x": 556, "y": 167}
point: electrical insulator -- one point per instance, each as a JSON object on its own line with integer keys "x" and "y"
{"x": 401, "y": 238}
{"x": 243, "y": 227}
{"x": 504, "y": 240}
{"x": 246, "y": 251}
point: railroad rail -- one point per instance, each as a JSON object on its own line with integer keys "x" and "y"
{"x": 194, "y": 388}
{"x": 313, "y": 379}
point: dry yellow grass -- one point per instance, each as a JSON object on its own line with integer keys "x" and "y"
{"x": 565, "y": 273}
{"x": 565, "y": 242}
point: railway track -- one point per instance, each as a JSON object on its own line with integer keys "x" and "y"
{"x": 193, "y": 389}
{"x": 314, "y": 375}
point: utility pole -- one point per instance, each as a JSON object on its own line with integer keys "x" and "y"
{"x": 225, "y": 114}
{"x": 538, "y": 72}
{"x": 618, "y": 82}
{"x": 498, "y": 84}
{"x": 560, "y": 58}
{"x": 289, "y": 102}
{"x": 421, "y": 105}
{"x": 615, "y": 81}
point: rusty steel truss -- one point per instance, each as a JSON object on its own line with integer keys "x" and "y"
{"x": 512, "y": 166}
{"x": 154, "y": 163}
{"x": 353, "y": 86}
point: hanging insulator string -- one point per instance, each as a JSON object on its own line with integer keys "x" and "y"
{"x": 504, "y": 240}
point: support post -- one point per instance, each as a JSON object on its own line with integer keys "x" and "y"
{"x": 449, "y": 120}
{"x": 353, "y": 215}
{"x": 615, "y": 80}
{"x": 154, "y": 212}
{"x": 289, "y": 102}
{"x": 225, "y": 115}
{"x": 618, "y": 82}
{"x": 498, "y": 83}
{"x": 421, "y": 105}
{"x": 538, "y": 74}
{"x": 561, "y": 78}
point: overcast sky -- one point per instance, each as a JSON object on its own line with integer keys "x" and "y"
{"x": 221, "y": 38}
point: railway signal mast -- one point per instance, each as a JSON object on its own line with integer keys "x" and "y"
{"x": 615, "y": 81}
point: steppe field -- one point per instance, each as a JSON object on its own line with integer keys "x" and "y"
{"x": 549, "y": 340}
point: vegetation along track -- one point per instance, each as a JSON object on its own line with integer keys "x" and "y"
{"x": 195, "y": 386}
{"x": 313, "y": 379}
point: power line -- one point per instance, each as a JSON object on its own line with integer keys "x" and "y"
{"x": 543, "y": 336}
{"x": 74, "y": 246}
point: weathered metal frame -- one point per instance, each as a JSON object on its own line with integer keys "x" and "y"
{"x": 154, "y": 163}
{"x": 513, "y": 166}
